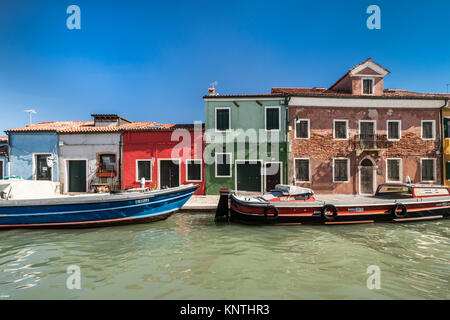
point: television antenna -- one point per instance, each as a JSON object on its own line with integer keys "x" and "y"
{"x": 31, "y": 112}
{"x": 214, "y": 84}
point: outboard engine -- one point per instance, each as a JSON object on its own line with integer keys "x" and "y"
{"x": 222, "y": 210}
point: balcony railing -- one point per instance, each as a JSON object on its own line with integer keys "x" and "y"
{"x": 370, "y": 142}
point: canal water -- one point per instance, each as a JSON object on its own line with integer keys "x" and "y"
{"x": 188, "y": 256}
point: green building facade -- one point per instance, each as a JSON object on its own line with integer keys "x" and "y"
{"x": 246, "y": 145}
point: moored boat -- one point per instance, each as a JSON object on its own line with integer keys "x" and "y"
{"x": 295, "y": 205}
{"x": 30, "y": 206}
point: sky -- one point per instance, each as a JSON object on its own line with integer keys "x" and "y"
{"x": 154, "y": 60}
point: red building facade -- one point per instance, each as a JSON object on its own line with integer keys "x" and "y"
{"x": 165, "y": 155}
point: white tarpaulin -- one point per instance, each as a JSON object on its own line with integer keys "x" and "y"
{"x": 27, "y": 189}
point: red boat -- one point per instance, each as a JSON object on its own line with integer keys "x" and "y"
{"x": 295, "y": 205}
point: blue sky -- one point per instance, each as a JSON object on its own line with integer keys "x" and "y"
{"x": 154, "y": 60}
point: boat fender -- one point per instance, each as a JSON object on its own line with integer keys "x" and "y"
{"x": 332, "y": 208}
{"x": 401, "y": 214}
{"x": 273, "y": 215}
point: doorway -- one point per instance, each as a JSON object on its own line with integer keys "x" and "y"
{"x": 43, "y": 170}
{"x": 248, "y": 175}
{"x": 169, "y": 173}
{"x": 273, "y": 174}
{"x": 366, "y": 177}
{"x": 77, "y": 176}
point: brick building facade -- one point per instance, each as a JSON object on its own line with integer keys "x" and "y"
{"x": 355, "y": 135}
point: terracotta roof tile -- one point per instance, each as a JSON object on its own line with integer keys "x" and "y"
{"x": 3, "y": 139}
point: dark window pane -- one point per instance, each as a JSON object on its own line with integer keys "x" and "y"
{"x": 427, "y": 170}
{"x": 427, "y": 130}
{"x": 144, "y": 170}
{"x": 302, "y": 169}
{"x": 447, "y": 170}
{"x": 272, "y": 119}
{"x": 367, "y": 86}
{"x": 302, "y": 129}
{"x": 393, "y": 130}
{"x": 223, "y": 165}
{"x": 223, "y": 119}
{"x": 43, "y": 171}
{"x": 340, "y": 129}
{"x": 340, "y": 170}
{"x": 194, "y": 170}
{"x": 393, "y": 170}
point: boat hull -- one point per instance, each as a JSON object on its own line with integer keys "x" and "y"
{"x": 288, "y": 213}
{"x": 125, "y": 208}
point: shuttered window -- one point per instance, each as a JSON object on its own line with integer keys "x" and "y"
{"x": 393, "y": 169}
{"x": 447, "y": 127}
{"x": 223, "y": 165}
{"x": 393, "y": 128}
{"x": 341, "y": 170}
{"x": 302, "y": 129}
{"x": 273, "y": 118}
{"x": 427, "y": 130}
{"x": 302, "y": 169}
{"x": 340, "y": 129}
{"x": 144, "y": 170}
{"x": 367, "y": 86}
{"x": 447, "y": 170}
{"x": 428, "y": 170}
{"x": 194, "y": 170}
{"x": 223, "y": 119}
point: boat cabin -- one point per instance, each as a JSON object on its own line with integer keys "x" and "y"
{"x": 399, "y": 191}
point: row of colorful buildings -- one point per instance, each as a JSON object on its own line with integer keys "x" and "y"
{"x": 346, "y": 139}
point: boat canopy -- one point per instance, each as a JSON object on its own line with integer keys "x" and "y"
{"x": 288, "y": 190}
{"x": 27, "y": 189}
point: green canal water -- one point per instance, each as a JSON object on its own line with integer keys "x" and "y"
{"x": 188, "y": 256}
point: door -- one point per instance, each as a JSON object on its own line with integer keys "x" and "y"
{"x": 367, "y": 134}
{"x": 1, "y": 169}
{"x": 77, "y": 176}
{"x": 43, "y": 171}
{"x": 366, "y": 177}
{"x": 169, "y": 173}
{"x": 273, "y": 175}
{"x": 248, "y": 176}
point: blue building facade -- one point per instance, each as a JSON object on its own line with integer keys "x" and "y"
{"x": 34, "y": 155}
{"x": 3, "y": 158}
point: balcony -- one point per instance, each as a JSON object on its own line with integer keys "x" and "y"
{"x": 378, "y": 143}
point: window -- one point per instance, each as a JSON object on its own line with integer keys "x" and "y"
{"x": 367, "y": 86}
{"x": 144, "y": 170}
{"x": 302, "y": 129}
{"x": 106, "y": 165}
{"x": 393, "y": 170}
{"x": 447, "y": 170}
{"x": 43, "y": 170}
{"x": 393, "y": 129}
{"x": 194, "y": 169}
{"x": 428, "y": 170}
{"x": 340, "y": 129}
{"x": 302, "y": 170}
{"x": 1, "y": 169}
{"x": 273, "y": 118}
{"x": 223, "y": 119}
{"x": 428, "y": 129}
{"x": 341, "y": 170}
{"x": 223, "y": 165}
{"x": 447, "y": 127}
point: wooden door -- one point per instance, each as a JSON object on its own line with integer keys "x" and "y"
{"x": 169, "y": 173}
{"x": 248, "y": 176}
{"x": 77, "y": 176}
{"x": 366, "y": 180}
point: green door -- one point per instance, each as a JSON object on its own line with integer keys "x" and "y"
{"x": 248, "y": 176}
{"x": 77, "y": 176}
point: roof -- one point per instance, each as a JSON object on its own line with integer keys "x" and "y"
{"x": 3, "y": 150}
{"x": 387, "y": 93}
{"x": 3, "y": 139}
{"x": 263, "y": 95}
{"x": 68, "y": 127}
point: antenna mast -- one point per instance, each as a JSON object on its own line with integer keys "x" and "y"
{"x": 31, "y": 112}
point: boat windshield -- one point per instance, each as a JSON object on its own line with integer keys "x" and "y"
{"x": 390, "y": 191}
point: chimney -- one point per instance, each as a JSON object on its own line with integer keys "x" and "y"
{"x": 212, "y": 91}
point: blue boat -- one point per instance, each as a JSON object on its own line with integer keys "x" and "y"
{"x": 91, "y": 210}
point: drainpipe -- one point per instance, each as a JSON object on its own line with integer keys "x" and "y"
{"x": 443, "y": 140}
{"x": 289, "y": 158}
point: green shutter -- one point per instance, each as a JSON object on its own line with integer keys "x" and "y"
{"x": 447, "y": 170}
